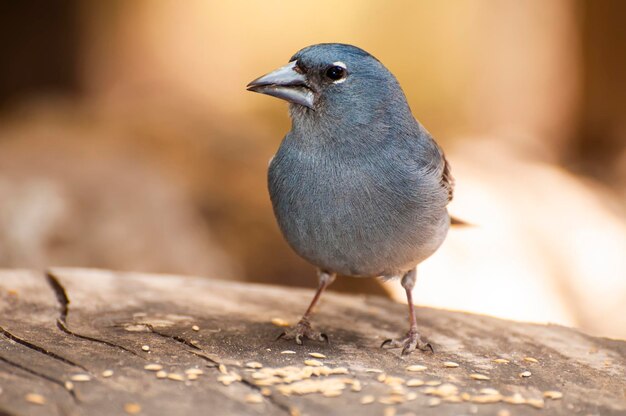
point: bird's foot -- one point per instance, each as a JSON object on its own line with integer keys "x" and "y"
{"x": 411, "y": 342}
{"x": 301, "y": 331}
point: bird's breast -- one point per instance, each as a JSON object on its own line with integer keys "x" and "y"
{"x": 353, "y": 215}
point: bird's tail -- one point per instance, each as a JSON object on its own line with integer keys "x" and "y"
{"x": 456, "y": 222}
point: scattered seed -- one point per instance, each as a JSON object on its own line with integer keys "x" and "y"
{"x": 161, "y": 374}
{"x": 393, "y": 381}
{"x": 175, "y": 377}
{"x": 373, "y": 370}
{"x": 194, "y": 371}
{"x": 411, "y": 396}
{"x": 399, "y": 390}
{"x": 477, "y": 376}
{"x": 450, "y": 364}
{"x": 192, "y": 377}
{"x": 395, "y": 399}
{"x": 153, "y": 367}
{"x": 146, "y": 348}
{"x": 268, "y": 381}
{"x": 222, "y": 369}
{"x": 340, "y": 370}
{"x": 389, "y": 411}
{"x": 280, "y": 322}
{"x": 313, "y": 363}
{"x": 369, "y": 399}
{"x": 414, "y": 382}
{"x": 317, "y": 355}
{"x": 433, "y": 383}
{"x": 536, "y": 403}
{"x": 487, "y": 398}
{"x": 228, "y": 379}
{"x": 257, "y": 375}
{"x": 356, "y": 386}
{"x": 195, "y": 327}
{"x": 453, "y": 399}
{"x": 287, "y": 352}
{"x": 107, "y": 373}
{"x": 551, "y": 394}
{"x": 466, "y": 396}
{"x": 516, "y": 398}
{"x": 501, "y": 361}
{"x": 290, "y": 374}
{"x": 488, "y": 390}
{"x": 254, "y": 364}
{"x": 381, "y": 378}
{"x": 69, "y": 385}
{"x": 416, "y": 367}
{"x": 254, "y": 398}
{"x": 80, "y": 377}
{"x": 531, "y": 359}
{"x": 525, "y": 374}
{"x": 35, "y": 398}
{"x": 132, "y": 408}
{"x": 503, "y": 412}
{"x": 434, "y": 401}
{"x": 266, "y": 392}
{"x": 327, "y": 386}
{"x": 447, "y": 389}
{"x": 444, "y": 390}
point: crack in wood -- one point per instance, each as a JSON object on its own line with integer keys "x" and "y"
{"x": 40, "y": 375}
{"x": 61, "y": 295}
{"x": 63, "y": 327}
{"x": 229, "y": 332}
{"x": 39, "y": 349}
{"x": 197, "y": 351}
{"x": 64, "y": 302}
{"x": 174, "y": 337}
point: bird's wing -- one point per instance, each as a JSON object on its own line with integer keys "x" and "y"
{"x": 435, "y": 161}
{"x": 447, "y": 181}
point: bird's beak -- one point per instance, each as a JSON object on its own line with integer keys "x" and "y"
{"x": 285, "y": 83}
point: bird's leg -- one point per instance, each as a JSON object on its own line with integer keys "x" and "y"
{"x": 303, "y": 329}
{"x": 412, "y": 340}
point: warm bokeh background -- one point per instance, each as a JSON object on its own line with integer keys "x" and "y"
{"x": 128, "y": 141}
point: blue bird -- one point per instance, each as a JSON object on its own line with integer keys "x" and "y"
{"x": 358, "y": 186}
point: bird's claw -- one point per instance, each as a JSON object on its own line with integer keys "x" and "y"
{"x": 411, "y": 342}
{"x": 302, "y": 331}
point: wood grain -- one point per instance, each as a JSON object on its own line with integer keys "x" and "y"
{"x": 68, "y": 322}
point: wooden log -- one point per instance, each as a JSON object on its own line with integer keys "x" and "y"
{"x": 81, "y": 339}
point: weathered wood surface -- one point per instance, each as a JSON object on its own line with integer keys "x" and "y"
{"x": 84, "y": 322}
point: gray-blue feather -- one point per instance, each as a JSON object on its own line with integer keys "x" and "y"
{"x": 358, "y": 186}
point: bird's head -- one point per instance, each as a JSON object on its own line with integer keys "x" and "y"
{"x": 332, "y": 79}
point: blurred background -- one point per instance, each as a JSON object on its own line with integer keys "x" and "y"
{"x": 128, "y": 141}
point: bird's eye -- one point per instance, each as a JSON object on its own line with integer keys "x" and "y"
{"x": 299, "y": 68}
{"x": 336, "y": 72}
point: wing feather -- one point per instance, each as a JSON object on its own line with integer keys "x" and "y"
{"x": 447, "y": 180}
